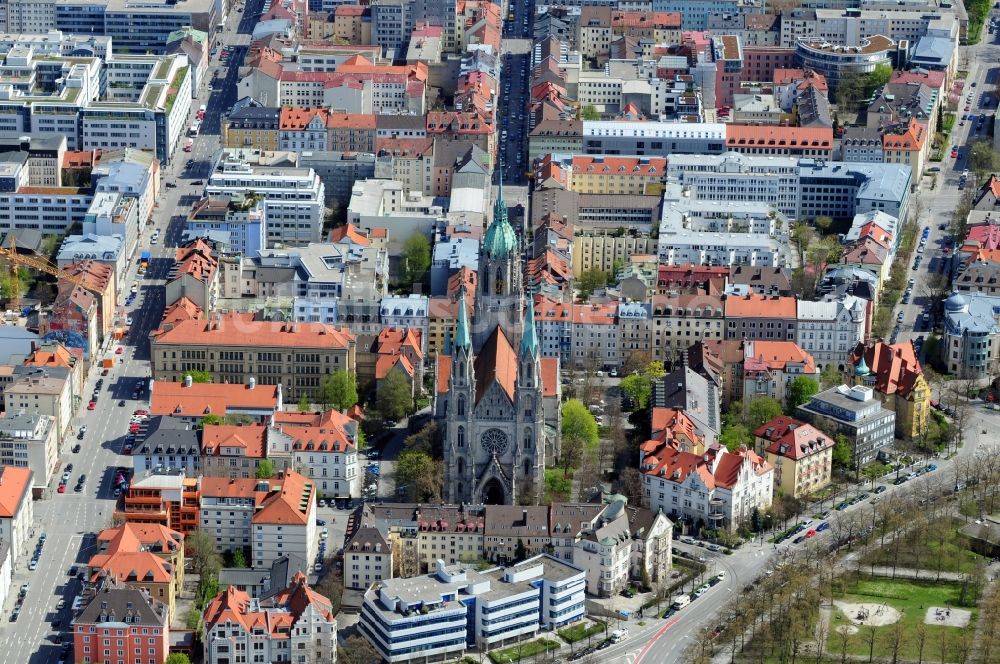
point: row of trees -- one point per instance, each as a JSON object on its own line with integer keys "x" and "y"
{"x": 776, "y": 617}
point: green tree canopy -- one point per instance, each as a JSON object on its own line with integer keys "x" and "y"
{"x": 843, "y": 455}
{"x": 579, "y": 434}
{"x": 982, "y": 158}
{"x": 421, "y": 475}
{"x": 303, "y": 403}
{"x": 239, "y": 558}
{"x": 590, "y": 280}
{"x": 209, "y": 420}
{"x": 760, "y": 410}
{"x": 395, "y": 398}
{"x": 199, "y": 548}
{"x": 801, "y": 391}
{"x": 339, "y": 390}
{"x": 177, "y": 658}
{"x": 416, "y": 257}
{"x": 734, "y": 435}
{"x": 265, "y": 469}
{"x": 199, "y": 376}
{"x": 638, "y": 389}
{"x": 589, "y": 112}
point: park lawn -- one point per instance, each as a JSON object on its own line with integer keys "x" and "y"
{"x": 912, "y": 599}
{"x": 581, "y": 631}
{"x": 523, "y": 651}
{"x": 952, "y": 555}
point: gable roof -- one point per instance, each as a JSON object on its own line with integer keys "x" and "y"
{"x": 497, "y": 361}
{"x": 792, "y": 439}
{"x": 895, "y": 367}
{"x": 290, "y": 500}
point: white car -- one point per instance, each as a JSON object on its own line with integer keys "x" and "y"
{"x": 324, "y": 533}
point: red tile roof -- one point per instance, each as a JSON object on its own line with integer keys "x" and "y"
{"x": 776, "y": 355}
{"x": 496, "y": 362}
{"x": 779, "y": 137}
{"x": 758, "y": 306}
{"x": 792, "y": 439}
{"x": 349, "y": 233}
{"x": 15, "y": 483}
{"x": 550, "y": 376}
{"x": 236, "y": 330}
{"x": 251, "y": 439}
{"x": 895, "y": 366}
{"x": 200, "y": 399}
{"x": 290, "y": 501}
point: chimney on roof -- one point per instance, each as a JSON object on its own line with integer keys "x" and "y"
{"x": 188, "y": 380}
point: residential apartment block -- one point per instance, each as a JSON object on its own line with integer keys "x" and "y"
{"x": 802, "y": 456}
{"x": 17, "y": 512}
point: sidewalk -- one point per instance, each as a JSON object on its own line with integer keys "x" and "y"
{"x": 910, "y": 573}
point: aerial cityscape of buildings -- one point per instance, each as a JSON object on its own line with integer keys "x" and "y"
{"x": 426, "y": 331}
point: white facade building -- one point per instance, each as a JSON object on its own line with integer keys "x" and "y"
{"x": 830, "y": 330}
{"x": 431, "y": 616}
{"x": 17, "y": 511}
{"x": 294, "y": 198}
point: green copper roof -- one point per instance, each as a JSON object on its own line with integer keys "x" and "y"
{"x": 862, "y": 368}
{"x": 500, "y": 240}
{"x": 447, "y": 343}
{"x": 529, "y": 340}
{"x": 462, "y": 337}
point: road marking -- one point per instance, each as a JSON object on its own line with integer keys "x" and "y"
{"x": 653, "y": 640}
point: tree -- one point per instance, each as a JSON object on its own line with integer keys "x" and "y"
{"x": 830, "y": 377}
{"x": 395, "y": 397}
{"x": 210, "y": 420}
{"x": 823, "y": 223}
{"x": 590, "y": 280}
{"x": 422, "y": 476}
{"x": 638, "y": 389}
{"x": 416, "y": 257}
{"x": 879, "y": 77}
{"x": 588, "y": 112}
{"x": 801, "y": 391}
{"x": 199, "y": 376}
{"x": 982, "y": 158}
{"x": 177, "y": 658}
{"x": 850, "y": 91}
{"x": 424, "y": 440}
{"x": 843, "y": 455}
{"x": 265, "y": 469}
{"x": 239, "y": 558}
{"x": 199, "y": 548}
{"x": 635, "y": 362}
{"x": 760, "y": 410}
{"x": 579, "y": 434}
{"x": 357, "y": 650}
{"x": 304, "y": 403}
{"x": 339, "y": 390}
{"x": 734, "y": 435}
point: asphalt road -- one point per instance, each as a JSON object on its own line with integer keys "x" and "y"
{"x": 71, "y": 520}
{"x": 937, "y": 205}
{"x": 514, "y": 91}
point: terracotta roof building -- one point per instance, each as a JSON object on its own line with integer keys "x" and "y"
{"x": 894, "y": 372}
{"x": 139, "y": 624}
{"x": 275, "y": 628}
{"x": 801, "y": 454}
{"x": 17, "y": 513}
{"x": 237, "y": 349}
{"x": 192, "y": 401}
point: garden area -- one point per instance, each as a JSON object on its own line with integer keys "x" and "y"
{"x": 582, "y": 630}
{"x": 900, "y": 619}
{"x": 939, "y": 547}
{"x": 523, "y": 651}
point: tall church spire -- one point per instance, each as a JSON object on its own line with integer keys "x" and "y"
{"x": 529, "y": 340}
{"x": 500, "y": 241}
{"x": 462, "y": 337}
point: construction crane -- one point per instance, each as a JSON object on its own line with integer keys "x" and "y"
{"x": 17, "y": 260}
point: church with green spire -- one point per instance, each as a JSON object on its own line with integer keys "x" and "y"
{"x": 497, "y": 400}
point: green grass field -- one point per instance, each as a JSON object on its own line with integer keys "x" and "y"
{"x": 912, "y": 599}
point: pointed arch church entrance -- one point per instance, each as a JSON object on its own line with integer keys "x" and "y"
{"x": 493, "y": 493}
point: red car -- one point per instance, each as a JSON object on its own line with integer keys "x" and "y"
{"x": 811, "y": 533}
{"x": 133, "y": 428}
{"x": 140, "y": 412}
{"x": 954, "y": 154}
{"x": 61, "y": 489}
{"x": 119, "y": 350}
{"x": 92, "y": 405}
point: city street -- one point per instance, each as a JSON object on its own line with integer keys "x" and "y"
{"x": 937, "y": 205}
{"x": 70, "y": 520}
